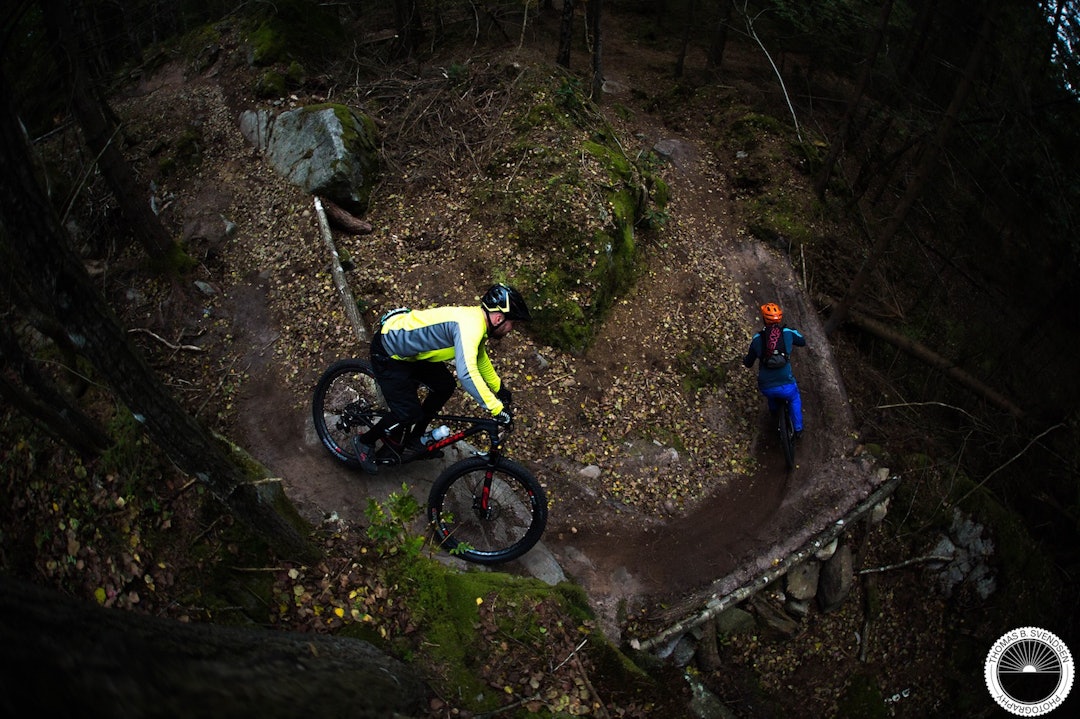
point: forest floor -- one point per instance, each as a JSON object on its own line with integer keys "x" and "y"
{"x": 662, "y": 523}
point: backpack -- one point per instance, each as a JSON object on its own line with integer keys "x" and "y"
{"x": 773, "y": 355}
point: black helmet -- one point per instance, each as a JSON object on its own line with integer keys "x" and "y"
{"x": 505, "y": 299}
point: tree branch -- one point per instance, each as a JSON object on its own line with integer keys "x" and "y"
{"x": 1012, "y": 459}
{"x": 906, "y": 563}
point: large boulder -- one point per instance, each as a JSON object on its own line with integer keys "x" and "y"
{"x": 329, "y": 150}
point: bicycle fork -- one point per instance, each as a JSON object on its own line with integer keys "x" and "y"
{"x": 482, "y": 505}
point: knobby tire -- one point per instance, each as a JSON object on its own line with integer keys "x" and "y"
{"x": 513, "y": 523}
{"x": 787, "y": 434}
{"x": 346, "y": 402}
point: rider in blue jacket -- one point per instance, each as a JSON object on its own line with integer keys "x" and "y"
{"x": 772, "y": 347}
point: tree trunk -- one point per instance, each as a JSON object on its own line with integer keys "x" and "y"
{"x": 39, "y": 400}
{"x": 825, "y": 173}
{"x": 566, "y": 33}
{"x": 914, "y": 53}
{"x": 101, "y": 133}
{"x": 719, "y": 41}
{"x": 680, "y": 61}
{"x": 409, "y": 25}
{"x": 593, "y": 11}
{"x": 933, "y": 359}
{"x": 68, "y": 658}
{"x": 926, "y": 163}
{"x": 59, "y": 286}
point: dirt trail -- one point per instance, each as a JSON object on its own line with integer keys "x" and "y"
{"x": 745, "y": 526}
{"x": 619, "y": 556}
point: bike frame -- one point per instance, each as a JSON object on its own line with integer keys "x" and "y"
{"x": 477, "y": 425}
{"x": 495, "y": 433}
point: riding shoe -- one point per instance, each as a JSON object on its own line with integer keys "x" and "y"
{"x": 366, "y": 454}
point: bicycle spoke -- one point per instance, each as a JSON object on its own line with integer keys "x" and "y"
{"x": 486, "y": 514}
{"x": 499, "y": 522}
{"x": 345, "y": 404}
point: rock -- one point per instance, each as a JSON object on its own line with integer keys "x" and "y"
{"x": 970, "y": 555}
{"x": 684, "y": 651}
{"x": 611, "y": 87}
{"x": 827, "y": 551}
{"x": 877, "y": 514}
{"x": 205, "y": 287}
{"x": 802, "y": 580}
{"x": 328, "y": 150}
{"x": 703, "y": 703}
{"x": 734, "y": 621}
{"x": 255, "y": 127}
{"x": 836, "y": 578}
{"x": 773, "y": 619}
{"x": 944, "y": 548}
{"x": 797, "y": 608}
{"x": 590, "y": 472}
{"x": 674, "y": 151}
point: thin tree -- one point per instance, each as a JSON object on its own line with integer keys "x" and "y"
{"x": 752, "y": 32}
{"x": 593, "y": 11}
{"x": 410, "y": 27}
{"x": 101, "y": 132}
{"x": 566, "y": 33}
{"x": 680, "y": 61}
{"x": 34, "y": 396}
{"x": 59, "y": 286}
{"x": 719, "y": 38}
{"x": 927, "y": 162}
{"x": 821, "y": 182}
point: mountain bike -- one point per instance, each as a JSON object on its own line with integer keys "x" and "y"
{"x": 785, "y": 430}
{"x": 485, "y": 508}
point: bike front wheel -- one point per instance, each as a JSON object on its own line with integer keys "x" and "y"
{"x": 487, "y": 512}
{"x": 786, "y": 431}
{"x": 346, "y": 402}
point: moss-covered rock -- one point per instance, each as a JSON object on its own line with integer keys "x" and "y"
{"x": 329, "y": 150}
{"x": 577, "y": 201}
{"x": 292, "y": 30}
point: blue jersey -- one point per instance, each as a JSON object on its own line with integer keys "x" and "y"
{"x": 774, "y": 377}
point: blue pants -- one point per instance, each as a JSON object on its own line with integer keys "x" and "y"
{"x": 790, "y": 392}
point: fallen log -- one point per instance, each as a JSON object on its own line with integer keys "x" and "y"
{"x": 928, "y": 356}
{"x": 342, "y": 284}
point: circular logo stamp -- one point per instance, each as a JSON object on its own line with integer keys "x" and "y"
{"x": 1029, "y": 671}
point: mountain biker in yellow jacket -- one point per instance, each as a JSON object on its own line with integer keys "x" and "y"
{"x": 777, "y": 383}
{"x": 412, "y": 346}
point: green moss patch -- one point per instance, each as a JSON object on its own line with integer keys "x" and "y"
{"x": 577, "y": 201}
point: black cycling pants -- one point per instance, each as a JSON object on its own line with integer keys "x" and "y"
{"x": 398, "y": 381}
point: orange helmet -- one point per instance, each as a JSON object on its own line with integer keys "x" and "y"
{"x": 771, "y": 313}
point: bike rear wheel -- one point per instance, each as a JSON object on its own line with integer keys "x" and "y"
{"x": 346, "y": 402}
{"x": 487, "y": 513}
{"x": 786, "y": 431}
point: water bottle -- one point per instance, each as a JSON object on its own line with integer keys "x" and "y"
{"x": 435, "y": 435}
